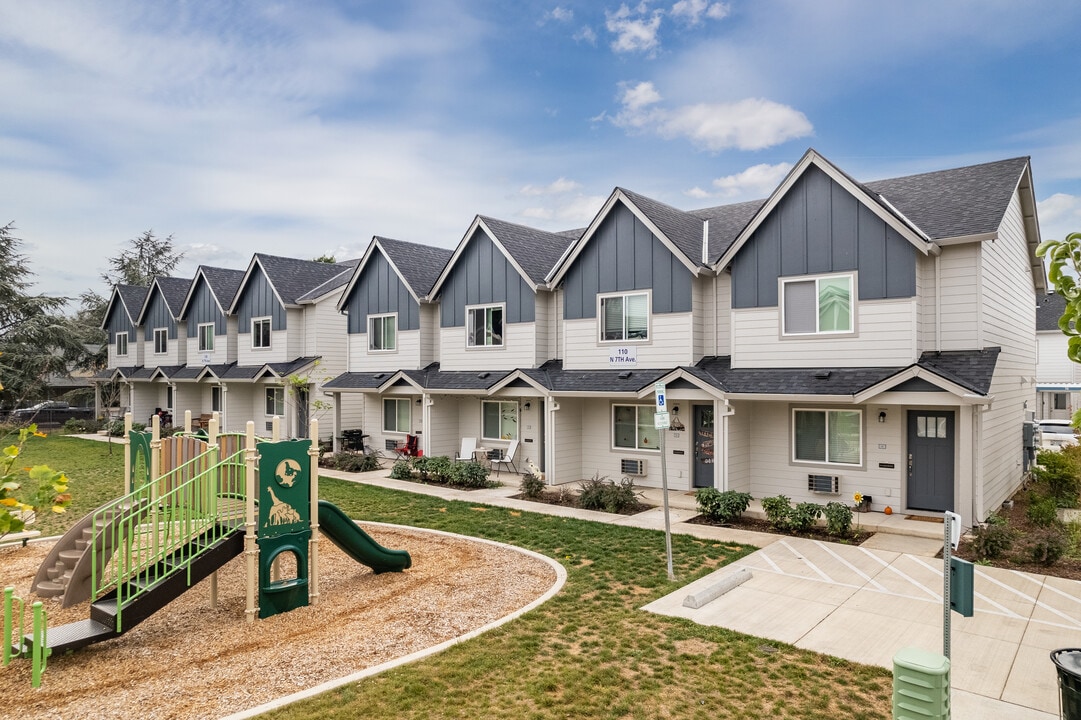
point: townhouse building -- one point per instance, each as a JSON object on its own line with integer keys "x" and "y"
{"x": 1058, "y": 379}
{"x": 836, "y": 337}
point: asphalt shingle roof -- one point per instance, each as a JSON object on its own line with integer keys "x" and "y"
{"x": 173, "y": 290}
{"x": 536, "y": 251}
{"x": 293, "y": 278}
{"x": 1049, "y": 309}
{"x": 420, "y": 265}
{"x": 726, "y": 222}
{"x": 223, "y": 282}
{"x": 953, "y": 203}
{"x": 133, "y": 297}
{"x": 552, "y": 376}
{"x": 684, "y": 229}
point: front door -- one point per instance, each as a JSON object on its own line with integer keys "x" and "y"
{"x": 930, "y": 460}
{"x": 703, "y": 446}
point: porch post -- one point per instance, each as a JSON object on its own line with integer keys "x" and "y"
{"x": 336, "y": 431}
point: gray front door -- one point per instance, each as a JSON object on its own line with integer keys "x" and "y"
{"x": 930, "y": 460}
{"x": 703, "y": 446}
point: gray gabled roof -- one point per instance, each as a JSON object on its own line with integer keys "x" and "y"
{"x": 334, "y": 283}
{"x": 133, "y": 297}
{"x": 223, "y": 282}
{"x": 958, "y": 202}
{"x": 970, "y": 369}
{"x": 552, "y": 376}
{"x": 684, "y": 229}
{"x": 1049, "y": 309}
{"x": 420, "y": 265}
{"x": 725, "y": 224}
{"x": 173, "y": 291}
{"x": 535, "y": 251}
{"x": 292, "y": 279}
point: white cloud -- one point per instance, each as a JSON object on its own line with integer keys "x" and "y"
{"x": 635, "y": 30}
{"x": 585, "y": 34}
{"x": 749, "y": 124}
{"x": 560, "y": 14}
{"x": 556, "y": 187}
{"x": 1060, "y": 215}
{"x": 756, "y": 181}
{"x": 697, "y": 193}
{"x": 571, "y": 213}
{"x": 691, "y": 11}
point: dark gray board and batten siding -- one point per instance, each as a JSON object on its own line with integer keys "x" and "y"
{"x": 158, "y": 316}
{"x": 258, "y": 300}
{"x": 624, "y": 255}
{"x": 819, "y": 227}
{"x": 377, "y": 291}
{"x": 118, "y": 322}
{"x": 483, "y": 275}
{"x": 204, "y": 309}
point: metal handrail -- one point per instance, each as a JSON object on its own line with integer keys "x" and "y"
{"x": 147, "y": 535}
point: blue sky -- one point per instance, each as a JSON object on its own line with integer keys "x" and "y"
{"x": 304, "y": 128}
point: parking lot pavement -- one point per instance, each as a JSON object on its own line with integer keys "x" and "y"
{"x": 865, "y": 604}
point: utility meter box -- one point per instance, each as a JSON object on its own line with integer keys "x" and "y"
{"x": 961, "y": 591}
{"x": 921, "y": 685}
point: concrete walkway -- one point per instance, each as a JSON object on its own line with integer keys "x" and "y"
{"x": 859, "y": 603}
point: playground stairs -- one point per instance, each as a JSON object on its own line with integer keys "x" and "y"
{"x": 149, "y": 591}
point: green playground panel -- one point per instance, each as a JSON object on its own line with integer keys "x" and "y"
{"x": 290, "y": 593}
{"x": 284, "y": 487}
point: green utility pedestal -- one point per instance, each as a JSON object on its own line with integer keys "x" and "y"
{"x": 921, "y": 685}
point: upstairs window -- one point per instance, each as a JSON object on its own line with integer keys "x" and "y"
{"x": 382, "y": 332}
{"x": 818, "y": 306}
{"x": 499, "y": 420}
{"x": 206, "y": 337}
{"x": 625, "y": 317}
{"x": 484, "y": 326}
{"x": 260, "y": 333}
{"x": 121, "y": 344}
{"x": 161, "y": 341}
{"x": 827, "y": 436}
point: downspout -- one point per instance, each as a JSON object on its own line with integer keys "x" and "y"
{"x": 977, "y": 468}
{"x": 335, "y": 436}
{"x": 725, "y": 414}
{"x": 938, "y": 303}
{"x": 551, "y": 407}
{"x": 426, "y": 423}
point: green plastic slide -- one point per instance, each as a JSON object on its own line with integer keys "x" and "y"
{"x": 340, "y": 529}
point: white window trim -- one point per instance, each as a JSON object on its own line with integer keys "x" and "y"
{"x": 624, "y": 294}
{"x": 117, "y": 344}
{"x": 612, "y": 429}
{"x": 270, "y": 334}
{"x": 827, "y": 411}
{"x": 383, "y": 411}
{"x": 817, "y": 278}
{"x": 199, "y": 336}
{"x": 165, "y": 341}
{"x": 380, "y": 316}
{"x": 517, "y": 418}
{"x": 216, "y": 390}
{"x": 276, "y": 391}
{"x": 503, "y": 336}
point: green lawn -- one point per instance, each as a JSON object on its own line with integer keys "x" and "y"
{"x": 589, "y": 652}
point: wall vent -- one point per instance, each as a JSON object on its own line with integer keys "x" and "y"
{"x": 270, "y": 426}
{"x": 632, "y": 467}
{"x": 824, "y": 484}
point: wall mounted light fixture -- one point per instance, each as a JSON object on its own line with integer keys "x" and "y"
{"x": 882, "y": 416}
{"x": 527, "y": 405}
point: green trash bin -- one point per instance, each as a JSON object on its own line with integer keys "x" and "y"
{"x": 1068, "y": 663}
{"x": 921, "y": 685}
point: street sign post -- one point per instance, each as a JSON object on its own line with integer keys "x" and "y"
{"x": 661, "y": 422}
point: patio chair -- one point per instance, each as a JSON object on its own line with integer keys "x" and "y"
{"x": 507, "y": 459}
{"x": 469, "y": 448}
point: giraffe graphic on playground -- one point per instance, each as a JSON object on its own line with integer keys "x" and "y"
{"x": 281, "y": 513}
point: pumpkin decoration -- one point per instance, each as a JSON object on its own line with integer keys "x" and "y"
{"x": 888, "y": 510}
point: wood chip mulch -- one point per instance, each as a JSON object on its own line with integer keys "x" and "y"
{"x": 193, "y": 661}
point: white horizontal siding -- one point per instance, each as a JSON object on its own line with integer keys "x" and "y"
{"x": 1053, "y": 365}
{"x": 724, "y": 315}
{"x": 406, "y": 357}
{"x": 886, "y": 336}
{"x": 670, "y": 343}
{"x": 296, "y": 334}
{"x": 959, "y": 295}
{"x": 218, "y": 356}
{"x": 277, "y": 352}
{"x": 428, "y": 340}
{"x": 519, "y": 350}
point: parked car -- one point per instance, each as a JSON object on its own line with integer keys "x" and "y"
{"x": 50, "y": 412}
{"x": 1055, "y": 434}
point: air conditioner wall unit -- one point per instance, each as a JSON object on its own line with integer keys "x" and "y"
{"x": 830, "y": 484}
{"x": 627, "y": 466}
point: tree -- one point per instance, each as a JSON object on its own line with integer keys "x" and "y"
{"x": 18, "y": 505}
{"x": 147, "y": 257}
{"x": 36, "y": 339}
{"x": 1063, "y": 270}
{"x": 325, "y": 258}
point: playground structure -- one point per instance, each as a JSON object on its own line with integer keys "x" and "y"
{"x": 194, "y": 502}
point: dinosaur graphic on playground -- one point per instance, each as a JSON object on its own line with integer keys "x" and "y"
{"x": 281, "y": 513}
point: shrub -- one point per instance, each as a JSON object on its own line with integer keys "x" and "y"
{"x": 992, "y": 539}
{"x": 355, "y": 462}
{"x": 720, "y": 506}
{"x": 401, "y": 471}
{"x": 803, "y": 517}
{"x": 116, "y": 427}
{"x": 438, "y": 468}
{"x": 777, "y": 510}
{"x": 1061, "y": 472}
{"x": 531, "y": 487}
{"x": 470, "y": 475}
{"x": 1048, "y": 548}
{"x": 838, "y": 518}
{"x": 1042, "y": 510}
{"x": 600, "y": 493}
{"x": 82, "y": 425}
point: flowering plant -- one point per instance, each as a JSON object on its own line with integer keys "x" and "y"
{"x": 858, "y": 498}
